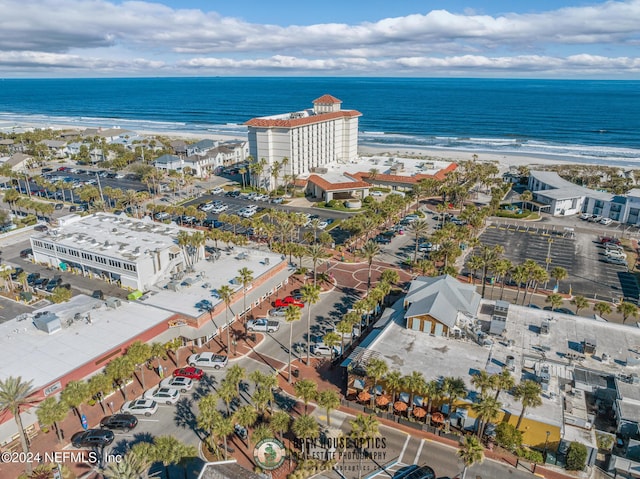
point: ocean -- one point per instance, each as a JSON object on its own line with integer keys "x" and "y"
{"x": 586, "y": 121}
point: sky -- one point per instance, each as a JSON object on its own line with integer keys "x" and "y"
{"x": 385, "y": 38}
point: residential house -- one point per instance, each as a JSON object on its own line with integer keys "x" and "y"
{"x": 169, "y": 162}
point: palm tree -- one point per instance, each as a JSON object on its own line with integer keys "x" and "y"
{"x": 555, "y": 300}
{"x": 393, "y": 383}
{"x": 526, "y": 196}
{"x": 129, "y": 466}
{"x": 602, "y": 308}
{"x": 50, "y": 412}
{"x": 474, "y": 264}
{"x": 208, "y": 416}
{"x": 580, "y": 302}
{"x": 305, "y": 428}
{"x": 343, "y": 328}
{"x": 310, "y": 295}
{"x": 279, "y": 422}
{"x": 226, "y": 294}
{"x": 139, "y": 353}
{"x": 487, "y": 410}
{"x": 413, "y": 382}
{"x": 419, "y": 229}
{"x": 627, "y": 309}
{"x": 119, "y": 370}
{"x": 503, "y": 381}
{"x": 529, "y": 393}
{"x": 15, "y": 397}
{"x": 471, "y": 452}
{"x": 74, "y": 394}
{"x": 227, "y": 392}
{"x": 307, "y": 390}
{"x": 246, "y": 416}
{"x": 454, "y": 388}
{"x": 328, "y": 400}
{"x": 292, "y": 314}
{"x": 489, "y": 256}
{"x": 245, "y": 278}
{"x": 376, "y": 369}
{"x": 369, "y": 251}
{"x": 316, "y": 253}
{"x": 390, "y": 276}
{"x": 519, "y": 274}
{"x": 558, "y": 273}
{"x": 483, "y": 381}
{"x": 363, "y": 429}
{"x": 169, "y": 450}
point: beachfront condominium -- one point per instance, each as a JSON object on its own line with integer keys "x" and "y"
{"x": 308, "y": 138}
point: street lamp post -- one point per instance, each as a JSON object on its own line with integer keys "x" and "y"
{"x": 546, "y": 443}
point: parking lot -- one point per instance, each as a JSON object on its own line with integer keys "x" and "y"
{"x": 580, "y": 254}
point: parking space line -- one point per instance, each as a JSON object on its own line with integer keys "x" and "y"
{"x": 406, "y": 443}
{"x": 418, "y": 452}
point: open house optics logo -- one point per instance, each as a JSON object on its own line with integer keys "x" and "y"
{"x": 269, "y": 454}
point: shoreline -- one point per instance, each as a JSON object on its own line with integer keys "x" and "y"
{"x": 506, "y": 161}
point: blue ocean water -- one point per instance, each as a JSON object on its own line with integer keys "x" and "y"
{"x": 588, "y": 121}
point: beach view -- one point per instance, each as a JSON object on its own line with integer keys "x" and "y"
{"x": 332, "y": 241}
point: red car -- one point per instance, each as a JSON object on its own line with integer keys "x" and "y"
{"x": 288, "y": 301}
{"x": 189, "y": 372}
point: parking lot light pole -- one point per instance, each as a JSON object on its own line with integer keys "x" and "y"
{"x": 546, "y": 443}
{"x": 548, "y": 259}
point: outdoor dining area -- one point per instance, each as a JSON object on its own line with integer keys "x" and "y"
{"x": 404, "y": 405}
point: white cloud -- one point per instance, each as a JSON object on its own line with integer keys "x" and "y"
{"x": 98, "y": 34}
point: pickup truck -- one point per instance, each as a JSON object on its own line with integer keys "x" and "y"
{"x": 263, "y": 324}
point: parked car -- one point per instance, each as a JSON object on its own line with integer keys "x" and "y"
{"x": 92, "y": 438}
{"x": 606, "y": 221}
{"x": 616, "y": 260}
{"x": 278, "y": 312}
{"x": 208, "y": 360}
{"x": 585, "y": 216}
{"x": 288, "y": 301}
{"x": 58, "y": 206}
{"x": 189, "y": 372}
{"x": 123, "y": 422}
{"x": 40, "y": 228}
{"x": 162, "y": 215}
{"x": 17, "y": 271}
{"x": 177, "y": 382}
{"x": 594, "y": 219}
{"x": 376, "y": 193}
{"x": 97, "y": 294}
{"x": 565, "y": 311}
{"x": 146, "y": 407}
{"x": 217, "y": 190}
{"x": 615, "y": 253}
{"x": 25, "y": 253}
{"x": 380, "y": 239}
{"x": 321, "y": 349}
{"x": 163, "y": 394}
{"x": 277, "y": 201}
{"x": 415, "y": 472}
{"x": 263, "y": 325}
{"x": 609, "y": 239}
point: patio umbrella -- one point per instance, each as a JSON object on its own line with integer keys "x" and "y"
{"x": 382, "y": 400}
{"x": 358, "y": 384}
{"x": 364, "y": 396}
{"x": 419, "y": 412}
{"x": 437, "y": 417}
{"x": 400, "y": 406}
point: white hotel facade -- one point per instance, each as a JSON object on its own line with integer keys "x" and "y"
{"x": 309, "y": 138}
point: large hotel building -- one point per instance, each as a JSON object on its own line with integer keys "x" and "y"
{"x": 309, "y": 138}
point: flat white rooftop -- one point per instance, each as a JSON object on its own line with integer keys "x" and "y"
{"x": 117, "y": 236}
{"x": 43, "y": 357}
{"x": 207, "y": 277}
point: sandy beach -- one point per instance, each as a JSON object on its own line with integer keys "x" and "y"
{"x": 409, "y": 151}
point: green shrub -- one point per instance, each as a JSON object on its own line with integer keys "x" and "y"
{"x": 576, "y": 457}
{"x": 510, "y": 214}
{"x": 530, "y": 455}
{"x": 508, "y": 437}
{"x": 331, "y": 204}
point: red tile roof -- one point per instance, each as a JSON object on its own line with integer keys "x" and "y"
{"x": 327, "y": 99}
{"x": 440, "y": 175}
{"x": 293, "y": 122}
{"x": 327, "y": 186}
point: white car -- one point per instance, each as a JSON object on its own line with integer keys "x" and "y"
{"x": 141, "y": 407}
{"x": 217, "y": 190}
{"x": 207, "y": 207}
{"x": 208, "y": 360}
{"x": 277, "y": 201}
{"x": 182, "y": 383}
{"x": 162, "y": 394}
{"x": 321, "y": 349}
{"x": 612, "y": 253}
{"x": 376, "y": 193}
{"x": 322, "y": 225}
{"x": 163, "y": 215}
{"x": 606, "y": 221}
{"x": 278, "y": 312}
